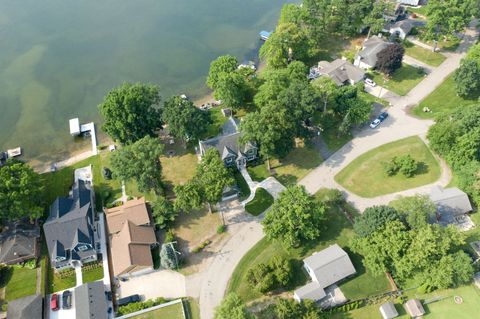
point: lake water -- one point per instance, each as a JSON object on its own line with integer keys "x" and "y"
{"x": 59, "y": 58}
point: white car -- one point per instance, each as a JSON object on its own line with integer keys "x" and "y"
{"x": 370, "y": 82}
{"x": 375, "y": 123}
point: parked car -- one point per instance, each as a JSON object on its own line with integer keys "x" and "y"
{"x": 126, "y": 300}
{"x": 383, "y": 116}
{"x": 67, "y": 299}
{"x": 375, "y": 123}
{"x": 54, "y": 304}
{"x": 108, "y": 294}
{"x": 370, "y": 82}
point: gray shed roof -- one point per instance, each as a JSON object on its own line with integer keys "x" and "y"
{"x": 90, "y": 301}
{"x": 450, "y": 200}
{"x": 311, "y": 291}
{"x": 405, "y": 25}
{"x": 29, "y": 307}
{"x": 388, "y": 310}
{"x": 341, "y": 71}
{"x": 371, "y": 47}
{"x": 330, "y": 265}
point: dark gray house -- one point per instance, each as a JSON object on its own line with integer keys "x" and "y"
{"x": 70, "y": 229}
{"x": 19, "y": 242}
{"x": 232, "y": 152}
{"x": 90, "y": 301}
{"x": 29, "y": 307}
{"x": 367, "y": 57}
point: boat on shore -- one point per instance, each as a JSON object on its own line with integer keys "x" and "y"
{"x": 264, "y": 35}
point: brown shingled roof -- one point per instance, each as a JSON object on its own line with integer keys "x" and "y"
{"x": 134, "y": 210}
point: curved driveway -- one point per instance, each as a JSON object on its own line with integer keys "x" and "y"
{"x": 397, "y": 126}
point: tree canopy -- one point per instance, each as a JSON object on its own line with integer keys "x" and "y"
{"x": 294, "y": 217}
{"x": 21, "y": 192}
{"x": 390, "y": 58}
{"x": 185, "y": 121}
{"x": 140, "y": 162}
{"x": 374, "y": 218}
{"x": 223, "y": 64}
{"x": 163, "y": 212}
{"x": 232, "y": 307}
{"x": 417, "y": 209}
{"x": 467, "y": 78}
{"x": 188, "y": 197}
{"x": 131, "y": 112}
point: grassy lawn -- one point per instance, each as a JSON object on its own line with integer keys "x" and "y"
{"x": 55, "y": 283}
{"x": 365, "y": 175}
{"x": 258, "y": 173}
{"x": 420, "y": 10}
{"x": 217, "y": 122}
{"x": 21, "y": 282}
{"x": 337, "y": 230}
{"x": 192, "y": 308}
{"x": 260, "y": 202}
{"x": 179, "y": 168}
{"x": 171, "y": 312}
{"x": 402, "y": 80}
{"x": 426, "y": 56}
{"x": 443, "y": 100}
{"x": 242, "y": 184}
{"x": 92, "y": 274}
{"x": 445, "y": 308}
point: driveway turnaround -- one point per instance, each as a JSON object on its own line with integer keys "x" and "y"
{"x": 162, "y": 283}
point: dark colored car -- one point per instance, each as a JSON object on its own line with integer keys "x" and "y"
{"x": 383, "y": 116}
{"x": 67, "y": 299}
{"x": 126, "y": 300}
{"x": 54, "y": 302}
{"x": 108, "y": 294}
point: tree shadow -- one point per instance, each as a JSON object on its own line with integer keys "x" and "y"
{"x": 6, "y": 274}
{"x": 422, "y": 168}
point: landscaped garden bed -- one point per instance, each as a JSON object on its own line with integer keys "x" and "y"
{"x": 365, "y": 176}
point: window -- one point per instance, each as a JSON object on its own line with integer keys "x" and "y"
{"x": 59, "y": 258}
{"x": 83, "y": 248}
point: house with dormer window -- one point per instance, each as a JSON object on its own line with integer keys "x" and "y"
{"x": 232, "y": 151}
{"x": 70, "y": 228}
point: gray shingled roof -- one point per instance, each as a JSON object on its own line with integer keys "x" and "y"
{"x": 371, "y": 48}
{"x": 311, "y": 291}
{"x": 18, "y": 241}
{"x": 405, "y": 25}
{"x": 450, "y": 200}
{"x": 330, "y": 265}
{"x": 388, "y": 310}
{"x": 90, "y": 301}
{"x": 30, "y": 307}
{"x": 70, "y": 222}
{"x": 341, "y": 71}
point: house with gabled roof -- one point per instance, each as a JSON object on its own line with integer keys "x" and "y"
{"x": 19, "y": 242}
{"x": 232, "y": 151}
{"x": 90, "y": 301}
{"x": 29, "y": 307}
{"x": 70, "y": 227}
{"x": 340, "y": 71}
{"x": 367, "y": 57}
{"x": 325, "y": 268}
{"x": 131, "y": 237}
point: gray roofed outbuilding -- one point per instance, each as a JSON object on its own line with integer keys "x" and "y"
{"x": 371, "y": 47}
{"x": 29, "y": 307}
{"x": 450, "y": 200}
{"x": 388, "y": 310}
{"x": 90, "y": 301}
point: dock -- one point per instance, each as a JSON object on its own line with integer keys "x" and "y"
{"x": 76, "y": 129}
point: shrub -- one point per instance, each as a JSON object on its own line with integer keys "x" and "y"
{"x": 202, "y": 246}
{"x": 140, "y": 305}
{"x": 169, "y": 236}
{"x": 30, "y": 264}
{"x": 270, "y": 276}
{"x": 404, "y": 164}
{"x": 391, "y": 168}
{"x": 221, "y": 229}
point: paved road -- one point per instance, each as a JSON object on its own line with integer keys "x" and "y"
{"x": 247, "y": 233}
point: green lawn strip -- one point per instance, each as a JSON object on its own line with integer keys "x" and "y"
{"x": 365, "y": 175}
{"x": 337, "y": 230}
{"x": 171, "y": 312}
{"x": 258, "y": 173}
{"x": 218, "y": 119}
{"x": 424, "y": 55}
{"x": 21, "y": 282}
{"x": 56, "y": 283}
{"x": 445, "y": 308}
{"x": 443, "y": 100}
{"x": 260, "y": 202}
{"x": 420, "y": 10}
{"x": 402, "y": 80}
{"x": 242, "y": 184}
{"x": 94, "y": 274}
{"x": 192, "y": 308}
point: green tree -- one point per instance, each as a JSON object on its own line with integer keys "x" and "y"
{"x": 390, "y": 59}
{"x": 291, "y": 309}
{"x": 223, "y": 64}
{"x": 374, "y": 218}
{"x": 189, "y": 197}
{"x": 163, "y": 212}
{"x": 185, "y": 121}
{"x": 326, "y": 88}
{"x": 140, "y": 162}
{"x": 273, "y": 275}
{"x": 21, "y": 192}
{"x": 292, "y": 13}
{"x": 467, "y": 78}
{"x": 294, "y": 217}
{"x": 465, "y": 149}
{"x": 417, "y": 209}
{"x": 131, "y": 112}
{"x": 375, "y": 18}
{"x": 358, "y": 112}
{"x": 468, "y": 177}
{"x": 287, "y": 43}
{"x": 212, "y": 177}
{"x": 407, "y": 165}
{"x": 232, "y": 89}
{"x": 232, "y": 307}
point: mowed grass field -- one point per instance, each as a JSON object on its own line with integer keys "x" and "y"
{"x": 402, "y": 80}
{"x": 424, "y": 55}
{"x": 21, "y": 283}
{"x": 365, "y": 176}
{"x": 443, "y": 100}
{"x": 169, "y": 312}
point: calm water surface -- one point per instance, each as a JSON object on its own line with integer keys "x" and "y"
{"x": 59, "y": 58}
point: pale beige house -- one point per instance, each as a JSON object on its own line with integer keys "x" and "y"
{"x": 131, "y": 237}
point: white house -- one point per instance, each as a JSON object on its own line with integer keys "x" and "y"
{"x": 401, "y": 29}
{"x": 325, "y": 268}
{"x": 367, "y": 57}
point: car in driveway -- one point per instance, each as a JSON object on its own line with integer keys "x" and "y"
{"x": 370, "y": 82}
{"x": 383, "y": 116}
{"x": 54, "y": 302}
{"x": 126, "y": 300}
{"x": 67, "y": 299}
{"x": 380, "y": 118}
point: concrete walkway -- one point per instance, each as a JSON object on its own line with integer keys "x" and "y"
{"x": 418, "y": 64}
{"x": 78, "y": 275}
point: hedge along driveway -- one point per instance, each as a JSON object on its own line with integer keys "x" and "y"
{"x": 365, "y": 176}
